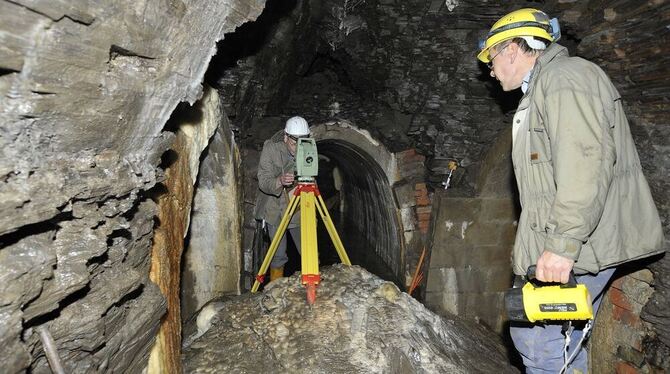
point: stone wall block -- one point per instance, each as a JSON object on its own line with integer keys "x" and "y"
{"x": 408, "y": 218}
{"x": 472, "y": 244}
{"x": 404, "y": 194}
{"x": 410, "y": 164}
{"x": 438, "y": 277}
{"x": 462, "y": 255}
{"x": 458, "y": 209}
{"x": 485, "y": 308}
{"x": 481, "y": 279}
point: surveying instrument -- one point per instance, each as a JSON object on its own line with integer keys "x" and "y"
{"x": 308, "y": 196}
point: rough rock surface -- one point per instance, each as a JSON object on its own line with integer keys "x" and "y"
{"x": 212, "y": 260}
{"x": 359, "y": 324}
{"x": 86, "y": 88}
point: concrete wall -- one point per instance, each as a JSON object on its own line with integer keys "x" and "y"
{"x": 470, "y": 260}
{"x": 472, "y": 240}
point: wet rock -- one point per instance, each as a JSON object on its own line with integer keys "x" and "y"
{"x": 359, "y": 324}
{"x": 212, "y": 259}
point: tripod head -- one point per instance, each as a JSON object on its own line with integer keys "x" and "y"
{"x": 306, "y": 160}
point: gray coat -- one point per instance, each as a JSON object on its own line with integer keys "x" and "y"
{"x": 581, "y": 186}
{"x": 271, "y": 202}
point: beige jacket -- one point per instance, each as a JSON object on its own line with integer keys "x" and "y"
{"x": 581, "y": 186}
{"x": 271, "y": 202}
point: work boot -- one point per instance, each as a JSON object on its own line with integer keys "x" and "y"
{"x": 276, "y": 273}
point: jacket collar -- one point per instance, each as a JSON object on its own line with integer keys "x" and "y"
{"x": 547, "y": 57}
{"x": 552, "y": 52}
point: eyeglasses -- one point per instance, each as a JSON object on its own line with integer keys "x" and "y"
{"x": 294, "y": 139}
{"x": 490, "y": 63}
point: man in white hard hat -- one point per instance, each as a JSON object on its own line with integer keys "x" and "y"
{"x": 276, "y": 180}
{"x": 586, "y": 205}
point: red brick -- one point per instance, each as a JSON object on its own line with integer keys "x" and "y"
{"x": 420, "y": 192}
{"x": 424, "y": 209}
{"x": 407, "y": 152}
{"x": 413, "y": 158}
{"x": 408, "y": 156}
{"x": 619, "y": 299}
{"x": 625, "y": 368}
{"x": 420, "y": 186}
{"x": 625, "y": 316}
{"x": 422, "y": 201}
{"x": 423, "y": 216}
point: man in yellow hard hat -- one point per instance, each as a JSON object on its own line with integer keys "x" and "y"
{"x": 586, "y": 206}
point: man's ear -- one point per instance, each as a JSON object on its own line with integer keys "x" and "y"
{"x": 512, "y": 50}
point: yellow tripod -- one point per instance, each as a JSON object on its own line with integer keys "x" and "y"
{"x": 309, "y": 197}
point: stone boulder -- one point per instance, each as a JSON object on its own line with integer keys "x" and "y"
{"x": 359, "y": 324}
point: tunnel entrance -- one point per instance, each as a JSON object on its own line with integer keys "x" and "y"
{"x": 360, "y": 202}
{"x": 356, "y": 176}
{"x": 364, "y": 209}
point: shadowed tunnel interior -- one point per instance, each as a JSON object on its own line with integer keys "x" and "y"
{"x": 365, "y": 213}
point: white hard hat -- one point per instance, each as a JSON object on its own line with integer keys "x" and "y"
{"x": 296, "y": 126}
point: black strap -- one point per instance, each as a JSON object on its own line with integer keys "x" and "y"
{"x": 515, "y": 25}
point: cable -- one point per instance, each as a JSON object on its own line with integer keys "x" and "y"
{"x": 585, "y": 333}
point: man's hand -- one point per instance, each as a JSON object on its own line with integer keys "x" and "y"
{"x": 553, "y": 268}
{"x": 285, "y": 179}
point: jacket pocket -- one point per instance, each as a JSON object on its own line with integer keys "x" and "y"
{"x": 540, "y": 150}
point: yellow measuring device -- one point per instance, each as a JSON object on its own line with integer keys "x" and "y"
{"x": 308, "y": 196}
{"x": 537, "y": 302}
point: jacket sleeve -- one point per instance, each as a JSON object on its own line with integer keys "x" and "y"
{"x": 267, "y": 175}
{"x": 583, "y": 158}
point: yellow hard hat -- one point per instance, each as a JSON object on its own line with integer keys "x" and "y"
{"x": 522, "y": 22}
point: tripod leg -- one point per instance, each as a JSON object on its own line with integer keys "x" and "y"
{"x": 310, "y": 288}
{"x": 310, "y": 253}
{"x": 321, "y": 206}
{"x": 290, "y": 209}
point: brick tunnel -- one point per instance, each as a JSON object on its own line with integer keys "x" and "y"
{"x": 369, "y": 217}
